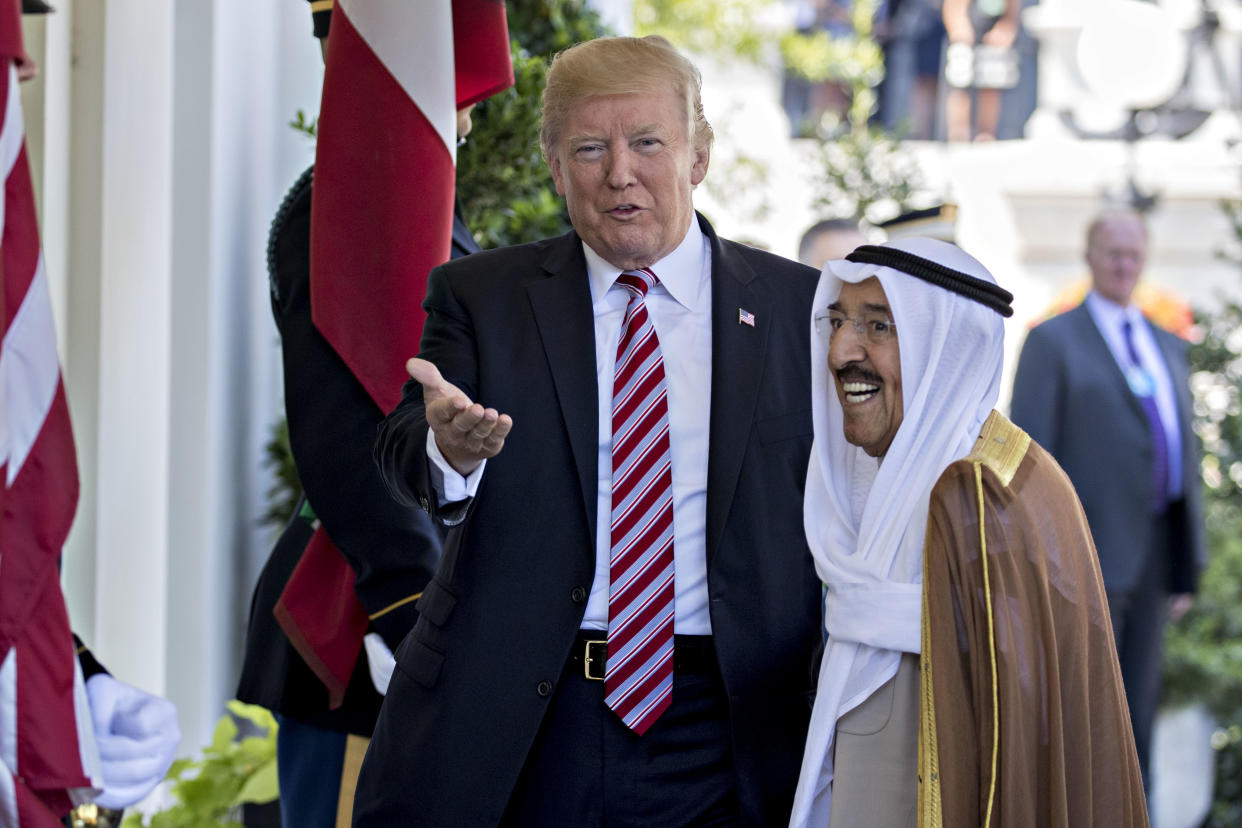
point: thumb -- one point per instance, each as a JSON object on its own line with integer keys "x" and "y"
{"x": 425, "y": 373}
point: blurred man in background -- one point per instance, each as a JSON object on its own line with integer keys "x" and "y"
{"x": 1107, "y": 393}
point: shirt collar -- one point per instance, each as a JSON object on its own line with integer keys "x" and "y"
{"x": 1112, "y": 314}
{"x": 680, "y": 271}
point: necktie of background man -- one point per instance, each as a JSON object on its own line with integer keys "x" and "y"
{"x": 1144, "y": 387}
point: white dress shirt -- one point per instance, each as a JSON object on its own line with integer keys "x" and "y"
{"x": 1110, "y": 318}
{"x": 680, "y": 311}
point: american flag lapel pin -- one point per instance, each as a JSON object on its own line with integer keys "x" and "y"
{"x": 745, "y": 317}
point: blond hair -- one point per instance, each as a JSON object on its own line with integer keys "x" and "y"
{"x": 620, "y": 66}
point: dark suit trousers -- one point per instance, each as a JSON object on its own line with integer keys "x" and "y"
{"x": 1138, "y": 625}
{"x": 309, "y": 763}
{"x": 587, "y": 769}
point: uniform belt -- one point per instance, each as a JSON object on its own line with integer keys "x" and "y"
{"x": 691, "y": 654}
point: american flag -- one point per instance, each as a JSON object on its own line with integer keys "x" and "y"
{"x": 48, "y": 758}
{"x": 745, "y": 317}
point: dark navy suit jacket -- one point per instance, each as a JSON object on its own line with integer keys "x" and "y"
{"x": 1072, "y": 397}
{"x": 514, "y": 329}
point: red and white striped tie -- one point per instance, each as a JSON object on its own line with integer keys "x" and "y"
{"x": 638, "y": 681}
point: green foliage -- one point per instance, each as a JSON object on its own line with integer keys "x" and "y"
{"x": 504, "y": 185}
{"x": 854, "y": 60}
{"x": 511, "y": 200}
{"x": 282, "y": 495}
{"x": 1227, "y": 798}
{"x": 865, "y": 174}
{"x": 308, "y": 126}
{"x": 545, "y": 27}
{"x": 1203, "y": 649}
{"x": 723, "y": 27}
{"x": 232, "y": 772}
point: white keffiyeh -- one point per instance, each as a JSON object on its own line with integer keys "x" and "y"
{"x": 864, "y": 520}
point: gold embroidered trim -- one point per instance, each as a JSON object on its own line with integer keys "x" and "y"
{"x": 987, "y": 594}
{"x": 1001, "y": 447}
{"x": 394, "y": 605}
{"x": 355, "y": 749}
{"x": 321, "y": 5}
{"x": 930, "y": 812}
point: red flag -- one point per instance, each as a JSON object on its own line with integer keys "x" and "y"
{"x": 381, "y": 219}
{"x": 382, "y": 212}
{"x": 47, "y": 750}
{"x": 322, "y": 616}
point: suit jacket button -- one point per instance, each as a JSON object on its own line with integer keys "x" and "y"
{"x": 424, "y": 503}
{"x": 578, "y": 594}
{"x": 544, "y": 688}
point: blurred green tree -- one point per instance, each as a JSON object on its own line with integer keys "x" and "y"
{"x": 1203, "y": 650}
{"x": 861, "y": 172}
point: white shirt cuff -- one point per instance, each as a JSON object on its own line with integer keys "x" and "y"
{"x": 450, "y": 485}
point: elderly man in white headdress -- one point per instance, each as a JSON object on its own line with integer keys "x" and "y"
{"x": 969, "y": 673}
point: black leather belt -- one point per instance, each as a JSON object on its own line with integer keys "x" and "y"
{"x": 691, "y": 654}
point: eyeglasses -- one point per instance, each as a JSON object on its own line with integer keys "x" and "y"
{"x": 875, "y": 326}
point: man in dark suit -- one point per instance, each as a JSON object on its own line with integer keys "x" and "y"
{"x": 1107, "y": 393}
{"x": 511, "y": 700}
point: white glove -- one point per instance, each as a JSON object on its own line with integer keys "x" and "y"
{"x": 379, "y": 661}
{"x": 137, "y": 735}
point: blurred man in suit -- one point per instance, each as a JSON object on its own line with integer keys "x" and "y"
{"x": 1107, "y": 393}
{"x": 623, "y": 627}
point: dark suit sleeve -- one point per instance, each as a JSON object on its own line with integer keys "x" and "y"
{"x": 392, "y": 548}
{"x": 90, "y": 665}
{"x": 1038, "y": 389}
{"x": 321, "y": 17}
{"x": 401, "y": 446}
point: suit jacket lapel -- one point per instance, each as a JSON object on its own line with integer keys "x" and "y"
{"x": 737, "y": 366}
{"x": 562, "y": 308}
{"x": 1095, "y": 351}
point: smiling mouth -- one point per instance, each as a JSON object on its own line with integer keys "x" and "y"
{"x": 859, "y": 392}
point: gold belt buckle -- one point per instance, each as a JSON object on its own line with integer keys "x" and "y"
{"x": 587, "y": 661}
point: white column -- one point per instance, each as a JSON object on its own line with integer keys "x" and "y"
{"x": 233, "y": 157}
{"x": 81, "y": 231}
{"x": 135, "y": 335}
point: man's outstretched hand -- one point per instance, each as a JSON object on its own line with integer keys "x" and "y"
{"x": 466, "y": 433}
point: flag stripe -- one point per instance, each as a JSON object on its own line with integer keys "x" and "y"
{"x": 381, "y": 216}
{"x": 29, "y": 372}
{"x": 45, "y": 743}
{"x": 416, "y": 49}
{"x": 382, "y": 212}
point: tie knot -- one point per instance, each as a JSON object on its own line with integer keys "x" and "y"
{"x": 638, "y": 281}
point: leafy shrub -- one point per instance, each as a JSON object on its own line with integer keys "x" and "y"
{"x": 232, "y": 772}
